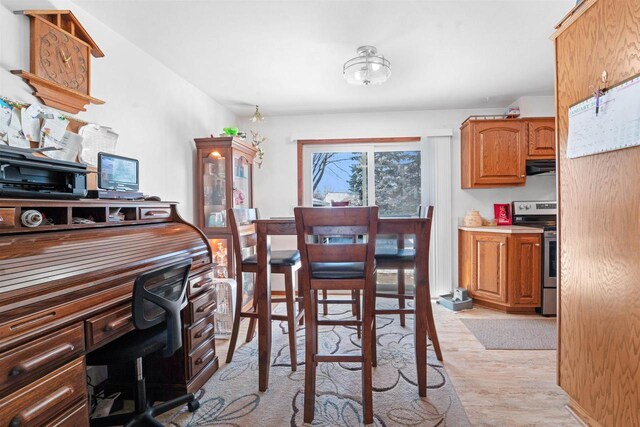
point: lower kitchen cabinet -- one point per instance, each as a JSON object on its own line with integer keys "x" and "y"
{"x": 501, "y": 270}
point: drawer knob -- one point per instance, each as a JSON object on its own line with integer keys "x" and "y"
{"x": 117, "y": 323}
{"x": 204, "y": 331}
{"x": 27, "y": 415}
{"x": 208, "y": 307}
{"x": 40, "y": 360}
{"x": 203, "y": 283}
{"x": 204, "y": 357}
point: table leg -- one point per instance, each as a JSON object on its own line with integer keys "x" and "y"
{"x": 421, "y": 299}
{"x": 263, "y": 289}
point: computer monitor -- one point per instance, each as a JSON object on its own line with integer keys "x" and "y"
{"x": 117, "y": 173}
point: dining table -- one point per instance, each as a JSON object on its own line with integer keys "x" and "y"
{"x": 424, "y": 326}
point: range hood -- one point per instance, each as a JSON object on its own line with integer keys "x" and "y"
{"x": 539, "y": 167}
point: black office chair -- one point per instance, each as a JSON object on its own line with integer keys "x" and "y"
{"x": 158, "y": 297}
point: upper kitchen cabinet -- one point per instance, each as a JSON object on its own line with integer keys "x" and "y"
{"x": 495, "y": 152}
{"x": 541, "y": 138}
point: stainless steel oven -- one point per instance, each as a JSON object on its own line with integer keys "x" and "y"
{"x": 549, "y": 273}
{"x": 542, "y": 214}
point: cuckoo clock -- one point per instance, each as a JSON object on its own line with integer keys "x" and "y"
{"x": 61, "y": 51}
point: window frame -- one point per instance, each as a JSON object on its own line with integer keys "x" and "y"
{"x": 306, "y": 149}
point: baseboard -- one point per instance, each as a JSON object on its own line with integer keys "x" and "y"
{"x": 581, "y": 415}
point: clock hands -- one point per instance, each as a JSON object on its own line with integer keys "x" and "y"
{"x": 64, "y": 58}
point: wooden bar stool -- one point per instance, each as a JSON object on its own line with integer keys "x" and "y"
{"x": 355, "y": 295}
{"x": 402, "y": 259}
{"x": 340, "y": 267}
{"x": 282, "y": 262}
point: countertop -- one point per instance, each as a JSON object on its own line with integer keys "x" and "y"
{"x": 509, "y": 229}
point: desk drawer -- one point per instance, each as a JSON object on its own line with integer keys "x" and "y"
{"x": 201, "y": 331}
{"x": 8, "y": 218}
{"x": 109, "y": 325}
{"x": 202, "y": 306}
{"x": 77, "y": 416}
{"x": 29, "y": 361}
{"x": 44, "y": 399}
{"x": 155, "y": 213}
{"x": 199, "y": 358}
{"x": 200, "y": 282}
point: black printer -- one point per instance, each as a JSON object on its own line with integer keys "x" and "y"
{"x": 22, "y": 174}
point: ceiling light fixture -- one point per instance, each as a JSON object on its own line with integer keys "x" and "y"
{"x": 257, "y": 116}
{"x": 368, "y": 68}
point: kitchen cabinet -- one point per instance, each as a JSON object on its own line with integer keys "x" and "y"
{"x": 541, "y": 139}
{"x": 489, "y": 266}
{"x": 501, "y": 270}
{"x": 494, "y": 152}
{"x": 525, "y": 271}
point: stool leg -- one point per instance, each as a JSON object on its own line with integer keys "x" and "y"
{"x": 367, "y": 334}
{"x": 251, "y": 330}
{"x": 325, "y": 306}
{"x": 356, "y": 297}
{"x": 291, "y": 317}
{"x": 354, "y": 306}
{"x": 236, "y": 320}
{"x": 401, "y": 291}
{"x": 431, "y": 332}
{"x": 374, "y": 334}
{"x": 311, "y": 349}
{"x": 299, "y": 294}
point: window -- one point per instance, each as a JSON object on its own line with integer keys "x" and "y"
{"x": 389, "y": 175}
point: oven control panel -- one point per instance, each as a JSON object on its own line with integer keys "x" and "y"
{"x": 535, "y": 208}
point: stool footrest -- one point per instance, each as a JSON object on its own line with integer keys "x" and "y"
{"x": 396, "y": 296}
{"x": 338, "y": 358}
{"x": 251, "y": 315}
{"x": 337, "y": 301}
{"x": 339, "y": 322}
{"x": 396, "y": 311}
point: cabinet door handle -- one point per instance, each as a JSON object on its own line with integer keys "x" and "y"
{"x": 537, "y": 244}
{"x": 502, "y": 244}
{"x": 204, "y": 308}
{"x": 27, "y": 415}
{"x": 204, "y": 357}
{"x": 117, "y": 323}
{"x": 204, "y": 331}
{"x": 38, "y": 361}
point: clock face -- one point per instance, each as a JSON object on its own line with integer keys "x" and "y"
{"x": 64, "y": 59}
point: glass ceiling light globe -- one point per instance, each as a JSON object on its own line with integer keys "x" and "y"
{"x": 368, "y": 68}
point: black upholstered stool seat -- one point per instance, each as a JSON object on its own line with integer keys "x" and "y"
{"x": 135, "y": 344}
{"x": 396, "y": 255}
{"x": 337, "y": 270}
{"x": 277, "y": 258}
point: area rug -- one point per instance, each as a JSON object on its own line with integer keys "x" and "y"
{"x": 231, "y": 397}
{"x": 514, "y": 334}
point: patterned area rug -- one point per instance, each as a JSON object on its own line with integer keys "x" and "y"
{"x": 231, "y": 397}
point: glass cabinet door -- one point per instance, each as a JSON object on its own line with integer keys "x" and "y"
{"x": 214, "y": 186}
{"x": 241, "y": 181}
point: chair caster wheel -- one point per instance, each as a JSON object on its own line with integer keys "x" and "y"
{"x": 193, "y": 405}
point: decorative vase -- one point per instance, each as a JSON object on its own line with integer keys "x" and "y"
{"x": 473, "y": 219}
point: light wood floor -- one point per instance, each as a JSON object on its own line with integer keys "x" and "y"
{"x": 496, "y": 387}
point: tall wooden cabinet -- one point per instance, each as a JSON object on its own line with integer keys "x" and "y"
{"x": 224, "y": 180}
{"x": 501, "y": 270}
{"x": 494, "y": 152}
{"x": 599, "y": 248}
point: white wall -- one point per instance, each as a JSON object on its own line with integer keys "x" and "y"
{"x": 275, "y": 190}
{"x": 156, "y": 112}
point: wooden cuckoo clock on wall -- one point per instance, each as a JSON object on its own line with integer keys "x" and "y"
{"x": 61, "y": 51}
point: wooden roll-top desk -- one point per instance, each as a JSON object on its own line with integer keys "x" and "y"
{"x": 65, "y": 290}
